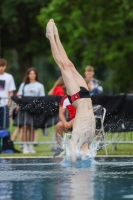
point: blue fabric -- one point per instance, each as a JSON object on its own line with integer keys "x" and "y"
{"x": 7, "y": 151}
{"x": 4, "y": 133}
{"x": 4, "y": 117}
{"x": 95, "y": 91}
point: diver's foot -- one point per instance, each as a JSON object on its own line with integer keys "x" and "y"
{"x": 49, "y": 28}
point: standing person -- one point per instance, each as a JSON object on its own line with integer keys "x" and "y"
{"x": 30, "y": 87}
{"x": 58, "y": 88}
{"x": 7, "y": 86}
{"x": 93, "y": 84}
{"x": 84, "y": 122}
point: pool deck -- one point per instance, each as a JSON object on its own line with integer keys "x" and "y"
{"x": 98, "y": 156}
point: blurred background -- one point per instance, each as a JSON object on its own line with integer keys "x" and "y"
{"x": 97, "y": 33}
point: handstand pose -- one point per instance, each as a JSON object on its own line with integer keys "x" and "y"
{"x": 84, "y": 123}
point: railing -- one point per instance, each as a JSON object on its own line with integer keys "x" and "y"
{"x": 111, "y": 138}
{"x": 12, "y": 128}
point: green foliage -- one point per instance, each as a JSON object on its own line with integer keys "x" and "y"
{"x": 99, "y": 33}
{"x": 19, "y": 25}
{"x": 21, "y": 33}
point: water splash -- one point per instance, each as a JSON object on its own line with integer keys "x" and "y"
{"x": 87, "y": 163}
{"x": 83, "y": 159}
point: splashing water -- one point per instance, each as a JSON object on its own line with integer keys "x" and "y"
{"x": 83, "y": 159}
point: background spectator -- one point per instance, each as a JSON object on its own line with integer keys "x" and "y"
{"x": 30, "y": 87}
{"x": 92, "y": 83}
{"x": 58, "y": 88}
{"x": 7, "y": 86}
{"x": 65, "y": 124}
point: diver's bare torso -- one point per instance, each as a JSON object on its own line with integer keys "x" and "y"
{"x": 84, "y": 122}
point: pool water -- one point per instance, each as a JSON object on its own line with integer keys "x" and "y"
{"x": 57, "y": 179}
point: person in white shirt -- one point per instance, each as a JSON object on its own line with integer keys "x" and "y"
{"x": 30, "y": 87}
{"x": 7, "y": 86}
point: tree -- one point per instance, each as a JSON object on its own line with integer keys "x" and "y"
{"x": 21, "y": 33}
{"x": 99, "y": 33}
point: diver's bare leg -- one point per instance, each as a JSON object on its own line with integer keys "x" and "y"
{"x": 67, "y": 74}
{"x": 55, "y": 52}
{"x": 78, "y": 78}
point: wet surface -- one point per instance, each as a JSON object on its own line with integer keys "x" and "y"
{"x": 36, "y": 179}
